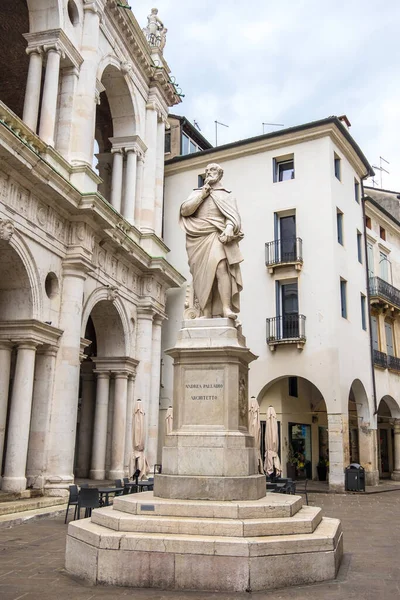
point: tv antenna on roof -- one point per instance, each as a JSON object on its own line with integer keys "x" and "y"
{"x": 195, "y": 123}
{"x": 272, "y": 125}
{"x": 216, "y": 130}
{"x": 381, "y": 169}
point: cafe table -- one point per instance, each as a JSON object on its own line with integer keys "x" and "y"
{"x": 106, "y": 491}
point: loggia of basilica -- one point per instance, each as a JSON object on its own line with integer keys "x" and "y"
{"x": 83, "y": 270}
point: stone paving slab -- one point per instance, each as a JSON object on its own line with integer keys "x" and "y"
{"x": 32, "y": 559}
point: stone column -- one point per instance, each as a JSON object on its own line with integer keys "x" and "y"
{"x": 144, "y": 334}
{"x": 69, "y": 80}
{"x": 129, "y": 422}
{"x": 86, "y": 420}
{"x": 33, "y": 85}
{"x": 339, "y": 451}
{"x": 50, "y": 94}
{"x": 98, "y": 470}
{"x": 146, "y": 222}
{"x": 130, "y": 185}
{"x": 396, "y": 471}
{"x": 41, "y": 415}
{"x": 153, "y": 413}
{"x": 116, "y": 179}
{"x": 61, "y": 452}
{"x": 368, "y": 445}
{"x": 159, "y": 183}
{"x": 119, "y": 426}
{"x": 139, "y": 188}
{"x": 5, "y": 366}
{"x": 14, "y": 479}
{"x": 85, "y": 105}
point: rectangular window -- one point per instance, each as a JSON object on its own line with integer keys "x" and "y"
{"x": 389, "y": 338}
{"x": 370, "y": 259}
{"x": 343, "y": 298}
{"x": 193, "y": 148}
{"x": 339, "y": 218}
{"x": 287, "y": 236}
{"x": 383, "y": 266}
{"x": 288, "y": 310}
{"x": 374, "y": 332}
{"x": 359, "y": 247}
{"x": 167, "y": 142}
{"x": 185, "y": 144}
{"x": 283, "y": 168}
{"x": 200, "y": 180}
{"x": 357, "y": 191}
{"x": 382, "y": 233}
{"x": 363, "y": 313}
{"x": 368, "y": 224}
{"x": 293, "y": 390}
{"x": 337, "y": 166}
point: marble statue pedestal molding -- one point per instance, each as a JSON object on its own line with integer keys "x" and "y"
{"x": 209, "y": 525}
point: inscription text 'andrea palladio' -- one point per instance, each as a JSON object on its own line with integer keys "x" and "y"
{"x": 204, "y": 387}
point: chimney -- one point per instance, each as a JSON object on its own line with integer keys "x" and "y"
{"x": 344, "y": 120}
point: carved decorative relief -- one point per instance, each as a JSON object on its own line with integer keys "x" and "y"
{"x": 243, "y": 401}
{"x": 6, "y": 229}
{"x": 192, "y": 307}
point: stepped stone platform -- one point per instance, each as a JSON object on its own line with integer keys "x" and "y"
{"x": 144, "y": 541}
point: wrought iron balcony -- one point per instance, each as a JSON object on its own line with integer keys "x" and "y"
{"x": 380, "y": 359}
{"x": 287, "y": 329}
{"x": 284, "y": 252}
{"x": 383, "y": 291}
{"x": 393, "y": 363}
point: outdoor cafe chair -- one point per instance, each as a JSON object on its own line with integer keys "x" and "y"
{"x": 118, "y": 483}
{"x": 88, "y": 499}
{"x": 300, "y": 487}
{"x": 72, "y": 501}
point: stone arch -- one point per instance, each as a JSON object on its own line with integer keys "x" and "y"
{"x": 26, "y": 271}
{"x": 361, "y": 400}
{"x": 108, "y": 299}
{"x": 45, "y": 14}
{"x": 392, "y": 406}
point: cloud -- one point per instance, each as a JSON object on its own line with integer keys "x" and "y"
{"x": 245, "y": 63}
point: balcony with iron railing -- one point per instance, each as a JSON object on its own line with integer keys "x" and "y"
{"x": 283, "y": 253}
{"x": 380, "y": 359}
{"x": 393, "y": 363}
{"x": 383, "y": 292}
{"x": 286, "y": 329}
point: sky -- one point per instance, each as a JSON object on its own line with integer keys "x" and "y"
{"x": 245, "y": 63}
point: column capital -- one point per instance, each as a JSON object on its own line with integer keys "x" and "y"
{"x": 117, "y": 150}
{"x": 102, "y": 374}
{"x": 34, "y": 50}
{"x": 145, "y": 313}
{"x": 396, "y": 426}
{"x": 5, "y": 345}
{"x": 158, "y": 319}
{"x": 27, "y": 345}
{"x": 54, "y": 47}
{"x": 49, "y": 351}
{"x": 121, "y": 374}
{"x": 94, "y": 6}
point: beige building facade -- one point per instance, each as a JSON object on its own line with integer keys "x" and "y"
{"x": 83, "y": 270}
{"x": 304, "y": 306}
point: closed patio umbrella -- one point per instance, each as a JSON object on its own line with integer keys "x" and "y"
{"x": 255, "y": 429}
{"x": 139, "y": 457}
{"x": 271, "y": 444}
{"x": 169, "y": 420}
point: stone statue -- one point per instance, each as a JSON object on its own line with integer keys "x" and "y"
{"x": 211, "y": 221}
{"x": 155, "y": 31}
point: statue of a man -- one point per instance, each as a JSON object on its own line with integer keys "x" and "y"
{"x": 211, "y": 221}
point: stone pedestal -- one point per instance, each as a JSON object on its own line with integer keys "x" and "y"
{"x": 209, "y": 525}
{"x": 210, "y": 454}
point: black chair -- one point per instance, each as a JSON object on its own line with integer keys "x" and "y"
{"x": 118, "y": 483}
{"x": 129, "y": 486}
{"x": 72, "y": 501}
{"x": 289, "y": 486}
{"x": 88, "y": 499}
{"x": 301, "y": 488}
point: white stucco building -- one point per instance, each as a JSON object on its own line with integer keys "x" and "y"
{"x": 304, "y": 306}
{"x": 83, "y": 270}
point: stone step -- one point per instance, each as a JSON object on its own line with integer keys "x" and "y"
{"x": 24, "y": 494}
{"x": 304, "y": 521}
{"x": 17, "y": 506}
{"x": 270, "y": 506}
{"x": 324, "y": 538}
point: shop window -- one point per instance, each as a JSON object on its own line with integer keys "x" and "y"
{"x": 300, "y": 442}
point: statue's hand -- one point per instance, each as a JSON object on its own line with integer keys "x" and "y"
{"x": 227, "y": 235}
{"x": 206, "y": 190}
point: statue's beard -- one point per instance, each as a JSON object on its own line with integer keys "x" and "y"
{"x": 211, "y": 180}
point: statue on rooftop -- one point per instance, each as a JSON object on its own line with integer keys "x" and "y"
{"x": 212, "y": 224}
{"x": 155, "y": 32}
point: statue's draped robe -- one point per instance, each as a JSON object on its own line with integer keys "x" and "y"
{"x": 203, "y": 227}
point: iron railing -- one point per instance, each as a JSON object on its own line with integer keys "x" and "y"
{"x": 287, "y": 327}
{"x": 393, "y": 362}
{"x": 284, "y": 251}
{"x": 380, "y": 359}
{"x": 383, "y": 289}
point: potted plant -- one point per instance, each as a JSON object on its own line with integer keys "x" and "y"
{"x": 322, "y": 468}
{"x": 291, "y": 463}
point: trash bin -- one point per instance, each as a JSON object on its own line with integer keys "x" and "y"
{"x": 354, "y": 478}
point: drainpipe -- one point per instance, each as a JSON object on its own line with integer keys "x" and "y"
{"x": 371, "y": 343}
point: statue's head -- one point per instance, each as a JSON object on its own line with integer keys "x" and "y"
{"x": 213, "y": 173}
{"x": 154, "y": 11}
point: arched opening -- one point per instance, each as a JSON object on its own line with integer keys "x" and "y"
{"x": 102, "y": 359}
{"x": 14, "y": 62}
{"x": 359, "y": 421}
{"x": 16, "y": 301}
{"x": 115, "y": 123}
{"x": 388, "y": 431}
{"x": 302, "y": 426}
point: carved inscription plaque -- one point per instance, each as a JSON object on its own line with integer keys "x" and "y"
{"x": 204, "y": 397}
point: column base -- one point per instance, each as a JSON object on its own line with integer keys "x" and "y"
{"x": 116, "y": 474}
{"x": 82, "y": 473}
{"x": 372, "y": 477}
{"x": 97, "y": 475}
{"x": 395, "y": 475}
{"x": 209, "y": 488}
{"x": 13, "y": 484}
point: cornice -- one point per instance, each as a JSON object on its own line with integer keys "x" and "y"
{"x": 30, "y": 330}
{"x": 372, "y": 209}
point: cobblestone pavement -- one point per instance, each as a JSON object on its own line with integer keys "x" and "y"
{"x": 32, "y": 559}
